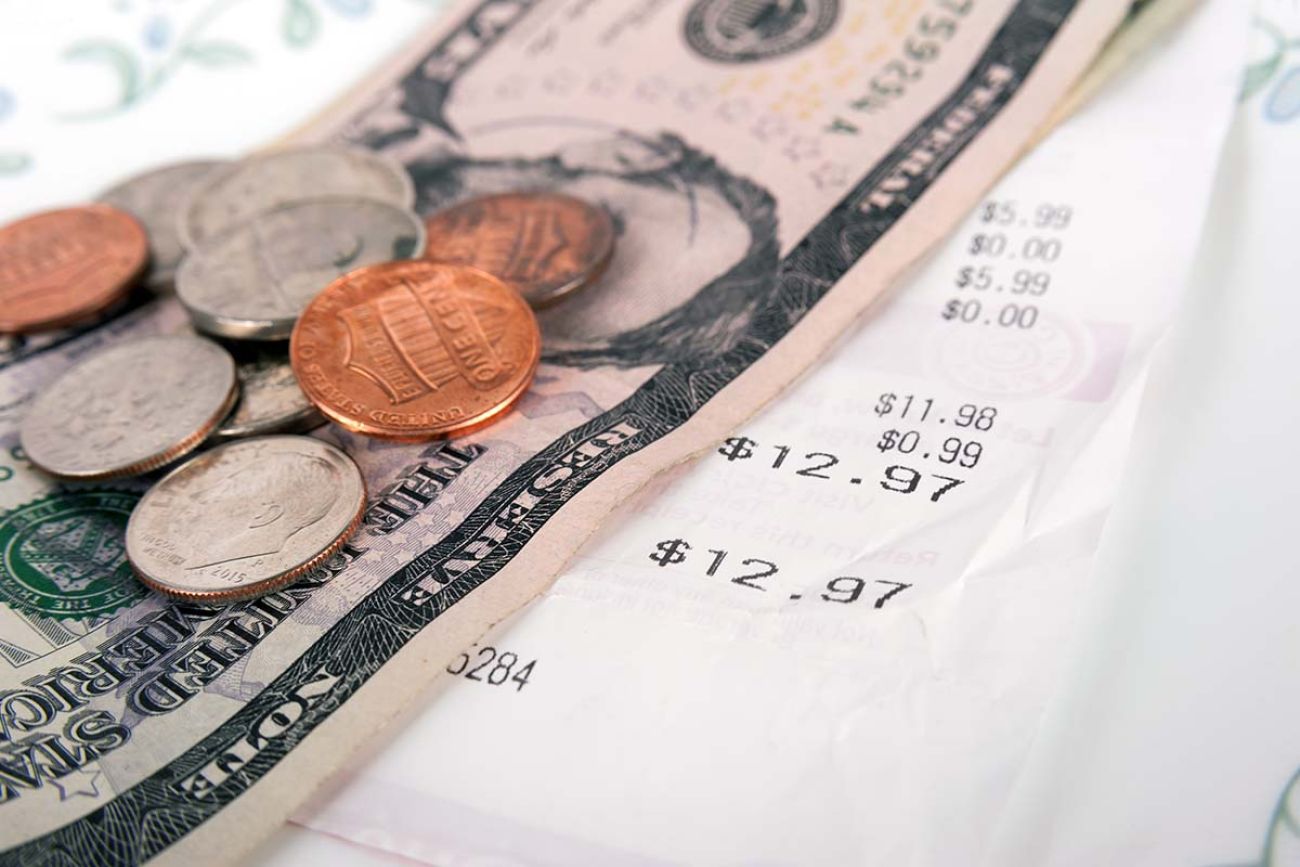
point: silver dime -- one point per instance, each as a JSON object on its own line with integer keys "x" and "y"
{"x": 262, "y": 182}
{"x": 252, "y": 280}
{"x": 245, "y": 518}
{"x": 270, "y": 400}
{"x": 131, "y": 408}
{"x": 156, "y": 198}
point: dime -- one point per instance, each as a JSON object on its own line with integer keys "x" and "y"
{"x": 545, "y": 244}
{"x": 155, "y": 198}
{"x": 245, "y": 518}
{"x": 58, "y": 267}
{"x": 270, "y": 400}
{"x": 131, "y": 408}
{"x": 262, "y": 182}
{"x": 415, "y": 350}
{"x": 250, "y": 281}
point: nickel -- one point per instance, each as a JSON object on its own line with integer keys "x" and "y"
{"x": 250, "y": 281}
{"x": 262, "y": 182}
{"x": 155, "y": 198}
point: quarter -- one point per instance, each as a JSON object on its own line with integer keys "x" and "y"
{"x": 415, "y": 350}
{"x": 262, "y": 182}
{"x": 245, "y": 518}
{"x": 155, "y": 198}
{"x": 546, "y": 245}
{"x": 251, "y": 280}
{"x": 131, "y": 408}
{"x": 59, "y": 267}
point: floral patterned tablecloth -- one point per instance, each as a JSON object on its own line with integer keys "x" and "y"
{"x": 94, "y": 90}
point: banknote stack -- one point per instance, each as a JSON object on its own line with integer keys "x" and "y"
{"x": 317, "y": 244}
{"x": 409, "y": 374}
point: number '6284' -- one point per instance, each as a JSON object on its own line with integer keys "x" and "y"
{"x": 493, "y": 667}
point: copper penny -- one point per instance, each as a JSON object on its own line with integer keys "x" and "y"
{"x": 545, "y": 244}
{"x": 58, "y": 267}
{"x": 415, "y": 350}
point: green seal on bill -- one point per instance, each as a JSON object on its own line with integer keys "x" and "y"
{"x": 64, "y": 555}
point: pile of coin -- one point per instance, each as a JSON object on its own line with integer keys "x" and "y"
{"x": 311, "y": 296}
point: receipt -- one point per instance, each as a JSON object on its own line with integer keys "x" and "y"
{"x": 1174, "y": 741}
{"x": 832, "y": 639}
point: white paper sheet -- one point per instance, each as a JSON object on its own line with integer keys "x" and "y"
{"x": 850, "y": 662}
{"x": 1176, "y": 741}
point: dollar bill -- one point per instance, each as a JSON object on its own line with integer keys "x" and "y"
{"x": 771, "y": 170}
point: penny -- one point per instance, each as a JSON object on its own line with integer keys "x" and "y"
{"x": 415, "y": 350}
{"x": 245, "y": 518}
{"x": 546, "y": 245}
{"x": 59, "y": 267}
{"x": 250, "y": 281}
{"x": 155, "y": 198}
{"x": 131, "y": 408}
{"x": 262, "y": 182}
{"x": 270, "y": 400}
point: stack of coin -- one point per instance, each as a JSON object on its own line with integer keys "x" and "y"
{"x": 265, "y": 235}
{"x": 306, "y": 276}
{"x": 262, "y": 237}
